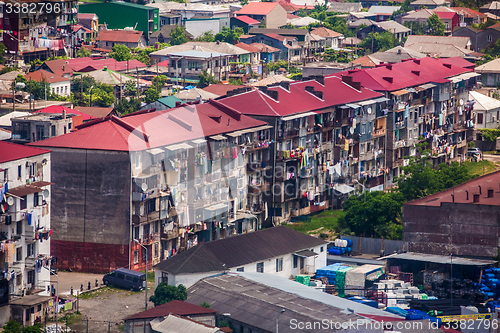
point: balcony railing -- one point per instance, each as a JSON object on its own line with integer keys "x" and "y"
{"x": 152, "y": 238}
{"x": 399, "y": 144}
{"x": 379, "y": 132}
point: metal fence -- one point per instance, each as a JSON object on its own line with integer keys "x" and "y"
{"x": 375, "y": 245}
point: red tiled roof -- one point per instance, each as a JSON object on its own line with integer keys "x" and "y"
{"x": 110, "y": 63}
{"x": 222, "y": 89}
{"x": 179, "y": 308}
{"x": 77, "y": 27}
{"x": 246, "y": 36}
{"x": 85, "y": 16}
{"x": 94, "y": 111}
{"x": 288, "y": 6}
{"x": 147, "y": 130}
{"x": 247, "y": 20}
{"x": 43, "y": 75}
{"x": 297, "y": 99}
{"x": 401, "y": 75}
{"x": 163, "y": 63}
{"x": 291, "y": 16}
{"x": 59, "y": 110}
{"x": 257, "y": 8}
{"x": 12, "y": 151}
{"x": 121, "y": 36}
{"x": 257, "y": 47}
{"x": 60, "y": 66}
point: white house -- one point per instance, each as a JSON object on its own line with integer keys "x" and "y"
{"x": 58, "y": 84}
{"x": 279, "y": 251}
{"x": 24, "y": 230}
{"x": 487, "y": 110}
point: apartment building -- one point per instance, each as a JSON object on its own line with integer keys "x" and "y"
{"x": 123, "y": 179}
{"x": 25, "y": 230}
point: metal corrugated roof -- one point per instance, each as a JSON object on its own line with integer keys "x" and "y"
{"x": 438, "y": 259}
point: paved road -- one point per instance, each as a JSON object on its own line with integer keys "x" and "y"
{"x": 493, "y": 158}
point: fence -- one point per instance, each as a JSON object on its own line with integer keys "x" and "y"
{"x": 375, "y": 245}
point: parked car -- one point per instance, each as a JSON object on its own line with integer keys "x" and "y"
{"x": 473, "y": 152}
{"x": 125, "y": 278}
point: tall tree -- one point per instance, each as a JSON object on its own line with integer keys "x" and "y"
{"x": 121, "y": 52}
{"x": 83, "y": 52}
{"x": 228, "y": 35}
{"x": 178, "y": 36}
{"x": 206, "y": 79}
{"x": 207, "y": 36}
{"x": 436, "y": 26}
{"x": 151, "y": 95}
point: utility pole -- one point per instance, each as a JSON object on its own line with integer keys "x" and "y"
{"x": 137, "y": 77}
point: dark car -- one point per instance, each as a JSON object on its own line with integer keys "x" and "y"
{"x": 125, "y": 278}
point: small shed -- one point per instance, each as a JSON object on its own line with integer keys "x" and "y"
{"x": 27, "y": 309}
{"x": 355, "y": 279}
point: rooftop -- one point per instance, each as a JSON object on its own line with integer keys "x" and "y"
{"x": 461, "y": 42}
{"x": 207, "y": 47}
{"x": 141, "y": 131}
{"x": 438, "y": 259}
{"x": 176, "y": 324}
{"x": 257, "y": 8}
{"x": 222, "y": 89}
{"x": 247, "y": 20}
{"x": 483, "y": 102}
{"x": 283, "y": 32}
{"x": 12, "y": 151}
{"x": 176, "y": 307}
{"x": 119, "y": 36}
{"x": 464, "y": 193}
{"x": 489, "y": 67}
{"x": 325, "y": 32}
{"x": 239, "y": 250}
{"x": 383, "y": 9}
{"x": 93, "y": 111}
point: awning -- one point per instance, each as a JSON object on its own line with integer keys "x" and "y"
{"x": 217, "y": 137}
{"x": 428, "y": 86}
{"x": 439, "y": 259}
{"x": 399, "y": 92}
{"x": 354, "y": 106}
{"x": 234, "y": 134}
{"x": 363, "y": 103}
{"x": 305, "y": 254}
{"x": 178, "y": 146}
{"x": 198, "y": 141}
{"x": 343, "y": 188}
{"x": 155, "y": 151}
{"x": 382, "y": 99}
{"x": 298, "y": 115}
{"x": 217, "y": 206}
{"x": 464, "y": 76}
{"x": 23, "y": 190}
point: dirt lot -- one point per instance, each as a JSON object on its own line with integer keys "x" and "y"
{"x": 103, "y": 310}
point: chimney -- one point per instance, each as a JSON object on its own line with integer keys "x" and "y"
{"x": 263, "y": 89}
{"x": 319, "y": 78}
{"x": 64, "y": 114}
{"x": 447, "y": 65}
{"x": 178, "y": 103}
{"x": 417, "y": 73}
{"x": 389, "y": 67}
{"x": 476, "y": 197}
{"x": 309, "y": 89}
{"x": 490, "y": 193}
{"x": 389, "y": 79}
{"x": 348, "y": 80}
{"x": 417, "y": 61}
{"x": 318, "y": 94}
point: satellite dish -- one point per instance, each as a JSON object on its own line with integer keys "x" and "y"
{"x": 369, "y": 110}
{"x": 10, "y": 201}
{"x": 46, "y": 194}
{"x": 144, "y": 187}
{"x": 351, "y": 130}
{"x": 461, "y": 101}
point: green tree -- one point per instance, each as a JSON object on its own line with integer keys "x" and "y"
{"x": 3, "y": 49}
{"x": 165, "y": 293}
{"x": 436, "y": 26}
{"x": 102, "y": 95}
{"x": 131, "y": 88}
{"x": 207, "y": 36}
{"x": 121, "y": 52}
{"x": 178, "y": 36}
{"x": 159, "y": 81}
{"x": 381, "y": 41}
{"x": 417, "y": 28}
{"x": 38, "y": 89}
{"x": 243, "y": 2}
{"x": 83, "y": 52}
{"x": 228, "y": 35}
{"x": 206, "y": 79}
{"x": 151, "y": 95}
{"x": 125, "y": 106}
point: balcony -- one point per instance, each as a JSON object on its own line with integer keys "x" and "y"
{"x": 399, "y": 144}
{"x": 150, "y": 239}
{"x": 170, "y": 234}
{"x": 291, "y": 132}
{"x": 30, "y": 262}
{"x": 138, "y": 219}
{"x": 379, "y": 132}
{"x": 400, "y": 124}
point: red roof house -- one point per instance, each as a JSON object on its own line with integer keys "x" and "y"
{"x": 12, "y": 151}
{"x": 130, "y": 38}
{"x": 59, "y": 110}
{"x": 271, "y": 12}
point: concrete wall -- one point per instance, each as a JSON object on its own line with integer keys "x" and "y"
{"x": 471, "y": 229}
{"x": 91, "y": 210}
{"x": 276, "y": 18}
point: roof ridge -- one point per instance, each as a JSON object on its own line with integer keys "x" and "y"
{"x": 130, "y": 128}
{"x": 197, "y": 248}
{"x": 261, "y": 94}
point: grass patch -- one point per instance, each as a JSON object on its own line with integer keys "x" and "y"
{"x": 104, "y": 291}
{"x": 326, "y": 221}
{"x": 476, "y": 168}
{"x": 150, "y": 276}
{"x": 71, "y": 318}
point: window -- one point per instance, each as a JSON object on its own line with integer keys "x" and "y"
{"x": 136, "y": 256}
{"x": 240, "y": 269}
{"x": 279, "y": 264}
{"x": 321, "y": 249}
{"x": 137, "y": 161}
{"x": 479, "y": 118}
{"x": 120, "y": 276}
{"x": 19, "y": 253}
{"x": 136, "y": 232}
{"x": 19, "y": 171}
{"x": 490, "y": 38}
{"x": 69, "y": 125}
{"x": 30, "y": 250}
{"x": 19, "y": 227}
{"x": 363, "y": 128}
{"x": 6, "y": 175}
{"x": 31, "y": 277}
{"x": 23, "y": 203}
{"x": 295, "y": 261}
{"x": 36, "y": 200}
{"x": 21, "y": 130}
{"x": 144, "y": 253}
{"x": 53, "y": 130}
{"x": 260, "y": 267}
